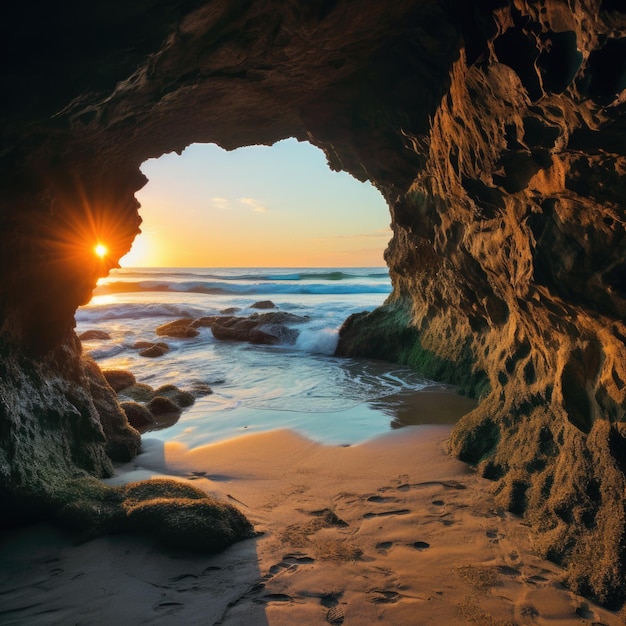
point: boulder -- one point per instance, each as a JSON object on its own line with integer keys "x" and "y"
{"x": 259, "y": 328}
{"x": 142, "y": 345}
{"x": 199, "y": 388}
{"x": 181, "y": 329}
{"x": 233, "y": 328}
{"x": 263, "y": 304}
{"x": 206, "y": 321}
{"x": 138, "y": 415}
{"x": 160, "y": 405}
{"x": 277, "y": 332}
{"x": 119, "y": 379}
{"x": 279, "y": 317}
{"x": 139, "y": 392}
{"x": 155, "y": 350}
{"x": 183, "y": 399}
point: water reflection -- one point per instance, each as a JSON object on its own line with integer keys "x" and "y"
{"x": 431, "y": 405}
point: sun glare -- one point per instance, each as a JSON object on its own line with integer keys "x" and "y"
{"x": 100, "y": 250}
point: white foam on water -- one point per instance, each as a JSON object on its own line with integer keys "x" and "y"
{"x": 318, "y": 341}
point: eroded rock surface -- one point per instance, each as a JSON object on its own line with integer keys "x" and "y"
{"x": 495, "y": 131}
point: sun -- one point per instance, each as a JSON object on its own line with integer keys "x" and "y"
{"x": 100, "y": 250}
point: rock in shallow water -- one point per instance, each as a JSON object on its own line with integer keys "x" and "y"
{"x": 181, "y": 329}
{"x": 155, "y": 350}
{"x": 181, "y": 398}
{"x": 259, "y": 328}
{"x": 155, "y": 409}
{"x": 160, "y": 405}
{"x": 139, "y": 392}
{"x": 263, "y": 304}
{"x": 138, "y": 415}
{"x": 119, "y": 379}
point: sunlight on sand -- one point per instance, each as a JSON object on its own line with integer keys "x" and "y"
{"x": 391, "y": 531}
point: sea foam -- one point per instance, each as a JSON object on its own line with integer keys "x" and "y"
{"x": 318, "y": 341}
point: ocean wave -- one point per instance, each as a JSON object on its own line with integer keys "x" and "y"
{"x": 243, "y": 288}
{"x": 135, "y": 311}
{"x": 270, "y": 274}
{"x": 318, "y": 341}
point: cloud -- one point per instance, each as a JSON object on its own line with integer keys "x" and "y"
{"x": 253, "y": 204}
{"x": 220, "y": 203}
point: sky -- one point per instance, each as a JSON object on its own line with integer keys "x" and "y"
{"x": 258, "y": 206}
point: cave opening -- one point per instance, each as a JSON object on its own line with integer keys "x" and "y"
{"x": 257, "y": 206}
{"x": 249, "y": 262}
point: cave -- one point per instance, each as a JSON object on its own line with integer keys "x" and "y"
{"x": 493, "y": 131}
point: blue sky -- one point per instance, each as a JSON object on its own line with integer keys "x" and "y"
{"x": 263, "y": 206}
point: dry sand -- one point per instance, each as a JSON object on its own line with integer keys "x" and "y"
{"x": 392, "y": 531}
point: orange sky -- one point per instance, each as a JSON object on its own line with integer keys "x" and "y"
{"x": 260, "y": 206}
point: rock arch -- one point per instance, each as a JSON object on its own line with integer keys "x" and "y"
{"x": 495, "y": 131}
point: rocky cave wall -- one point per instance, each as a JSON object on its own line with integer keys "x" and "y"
{"x": 494, "y": 129}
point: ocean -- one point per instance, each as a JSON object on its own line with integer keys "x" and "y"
{"x": 297, "y": 384}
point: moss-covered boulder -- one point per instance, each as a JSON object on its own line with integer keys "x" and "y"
{"x": 138, "y": 415}
{"x": 176, "y": 514}
{"x": 182, "y": 399}
{"x": 387, "y": 333}
{"x": 119, "y": 379}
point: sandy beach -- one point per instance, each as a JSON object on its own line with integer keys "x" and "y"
{"x": 392, "y": 531}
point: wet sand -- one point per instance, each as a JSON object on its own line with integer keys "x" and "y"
{"x": 391, "y": 531}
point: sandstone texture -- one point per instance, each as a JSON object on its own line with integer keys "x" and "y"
{"x": 495, "y": 129}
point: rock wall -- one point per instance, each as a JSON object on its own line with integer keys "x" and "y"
{"x": 509, "y": 274}
{"x": 494, "y": 129}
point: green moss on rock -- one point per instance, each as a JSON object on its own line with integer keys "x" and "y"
{"x": 181, "y": 398}
{"x": 387, "y": 334}
{"x": 174, "y": 513}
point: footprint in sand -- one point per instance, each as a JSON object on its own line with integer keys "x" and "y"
{"x": 448, "y": 484}
{"x": 536, "y": 580}
{"x": 335, "y": 614}
{"x": 383, "y": 546}
{"x": 192, "y": 582}
{"x": 494, "y": 536}
{"x": 509, "y": 571}
{"x": 328, "y": 518}
{"x": 387, "y": 513}
{"x": 290, "y": 562}
{"x": 381, "y": 499}
{"x": 183, "y": 577}
{"x": 168, "y": 605}
{"x": 330, "y": 600}
{"x": 273, "y": 597}
{"x": 384, "y": 597}
{"x": 403, "y": 479}
{"x": 585, "y": 612}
